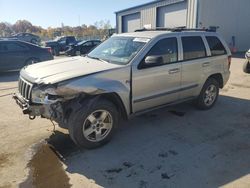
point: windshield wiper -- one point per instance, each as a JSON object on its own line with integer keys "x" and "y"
{"x": 93, "y": 57}
{"x": 97, "y": 58}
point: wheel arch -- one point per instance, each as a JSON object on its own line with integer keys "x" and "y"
{"x": 73, "y": 105}
{"x": 219, "y": 78}
{"x": 117, "y": 101}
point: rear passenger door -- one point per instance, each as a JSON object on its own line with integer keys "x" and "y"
{"x": 157, "y": 83}
{"x": 195, "y": 60}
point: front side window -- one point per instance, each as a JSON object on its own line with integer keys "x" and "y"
{"x": 118, "y": 50}
{"x": 193, "y": 48}
{"x": 167, "y": 49}
{"x": 215, "y": 46}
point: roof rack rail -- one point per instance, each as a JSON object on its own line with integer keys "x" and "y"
{"x": 176, "y": 29}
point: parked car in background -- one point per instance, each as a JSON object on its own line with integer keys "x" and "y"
{"x": 60, "y": 44}
{"x": 27, "y": 37}
{"x": 15, "y": 54}
{"x": 82, "y": 47}
{"x": 246, "y": 67}
{"x": 127, "y": 75}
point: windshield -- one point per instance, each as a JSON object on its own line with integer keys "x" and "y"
{"x": 118, "y": 50}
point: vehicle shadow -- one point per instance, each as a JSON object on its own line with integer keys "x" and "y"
{"x": 177, "y": 147}
{"x": 9, "y": 76}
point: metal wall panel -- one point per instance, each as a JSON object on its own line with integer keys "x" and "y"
{"x": 131, "y": 22}
{"x": 172, "y": 15}
{"x": 192, "y": 13}
{"x": 232, "y": 17}
{"x": 148, "y": 13}
{"x": 148, "y": 17}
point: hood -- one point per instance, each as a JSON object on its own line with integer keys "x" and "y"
{"x": 55, "y": 71}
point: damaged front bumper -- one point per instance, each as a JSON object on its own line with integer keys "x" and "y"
{"x": 33, "y": 110}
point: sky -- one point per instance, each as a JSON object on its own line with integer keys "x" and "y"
{"x": 52, "y": 13}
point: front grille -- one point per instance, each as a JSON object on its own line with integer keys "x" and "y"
{"x": 25, "y": 88}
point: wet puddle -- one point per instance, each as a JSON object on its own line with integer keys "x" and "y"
{"x": 46, "y": 167}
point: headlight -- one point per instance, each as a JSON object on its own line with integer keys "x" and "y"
{"x": 40, "y": 94}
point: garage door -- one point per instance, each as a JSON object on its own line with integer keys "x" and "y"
{"x": 172, "y": 15}
{"x": 131, "y": 22}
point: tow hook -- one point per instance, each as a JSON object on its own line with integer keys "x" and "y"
{"x": 32, "y": 117}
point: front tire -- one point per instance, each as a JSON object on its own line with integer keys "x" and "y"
{"x": 93, "y": 126}
{"x": 209, "y": 95}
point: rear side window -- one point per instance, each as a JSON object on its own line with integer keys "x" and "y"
{"x": 216, "y": 46}
{"x": 13, "y": 47}
{"x": 167, "y": 48}
{"x": 193, "y": 48}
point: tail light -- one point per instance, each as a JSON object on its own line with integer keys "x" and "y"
{"x": 49, "y": 50}
{"x": 229, "y": 62}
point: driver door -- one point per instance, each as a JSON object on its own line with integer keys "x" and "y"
{"x": 159, "y": 83}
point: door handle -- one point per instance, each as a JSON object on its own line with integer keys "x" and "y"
{"x": 174, "y": 71}
{"x": 207, "y": 64}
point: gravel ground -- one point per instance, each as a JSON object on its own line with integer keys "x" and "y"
{"x": 174, "y": 147}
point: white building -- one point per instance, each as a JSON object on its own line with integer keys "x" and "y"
{"x": 231, "y": 16}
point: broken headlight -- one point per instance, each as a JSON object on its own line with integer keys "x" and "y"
{"x": 41, "y": 95}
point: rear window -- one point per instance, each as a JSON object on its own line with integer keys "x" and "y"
{"x": 193, "y": 48}
{"x": 215, "y": 46}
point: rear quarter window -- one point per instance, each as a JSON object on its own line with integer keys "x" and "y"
{"x": 215, "y": 45}
{"x": 193, "y": 48}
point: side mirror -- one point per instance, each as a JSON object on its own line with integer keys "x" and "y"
{"x": 150, "y": 60}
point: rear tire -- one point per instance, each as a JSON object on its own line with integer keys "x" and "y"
{"x": 93, "y": 125}
{"x": 246, "y": 67}
{"x": 209, "y": 95}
